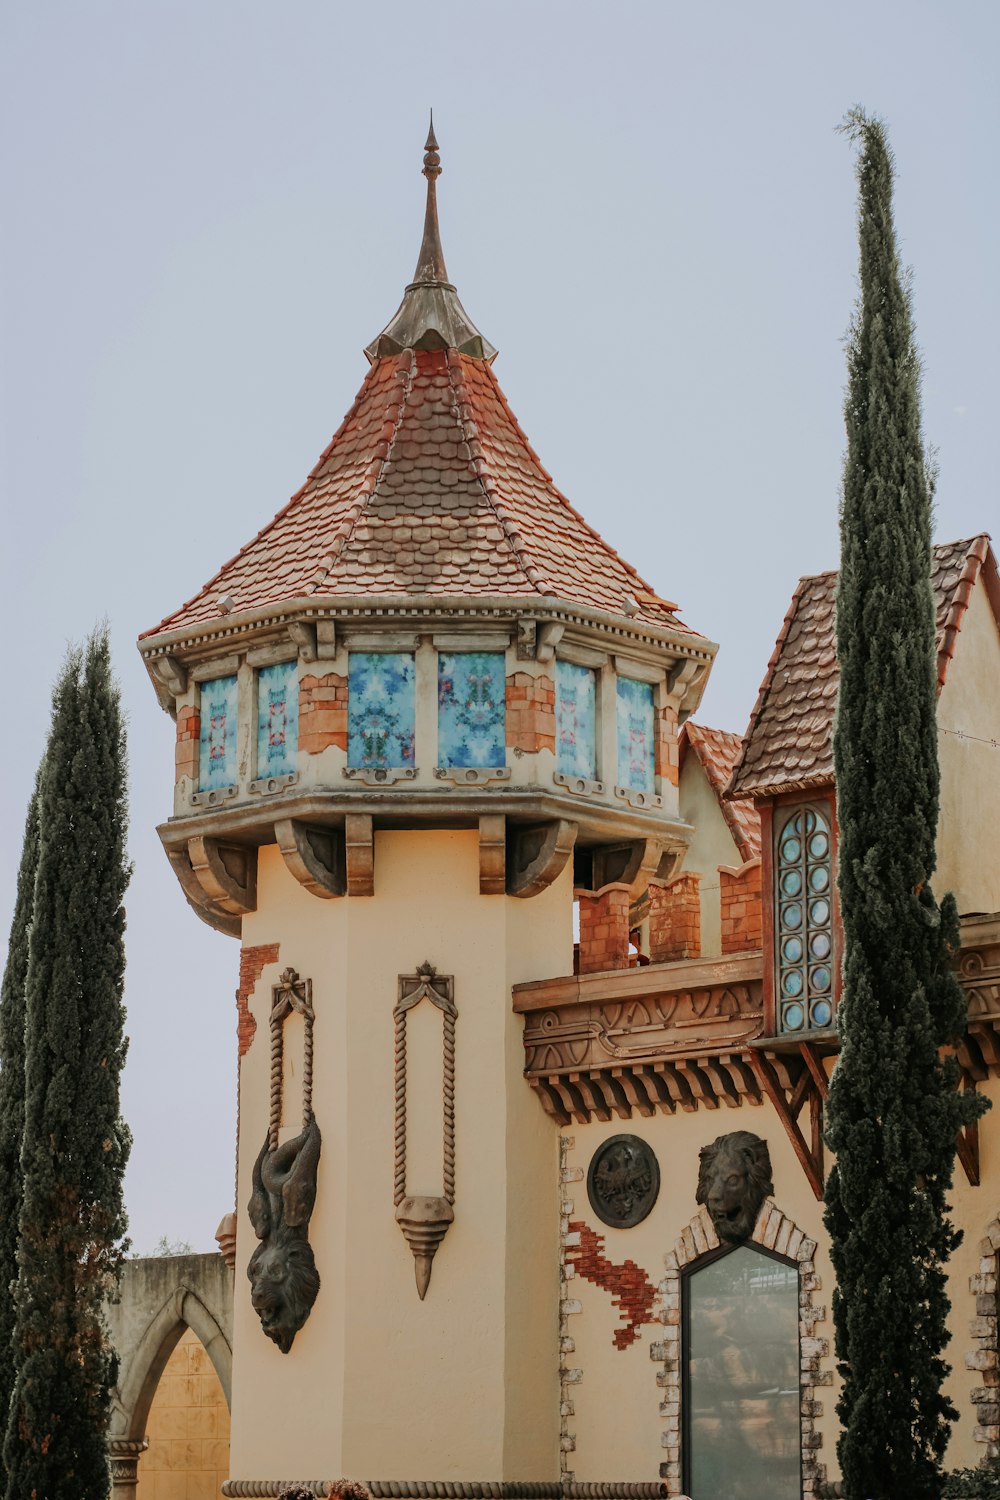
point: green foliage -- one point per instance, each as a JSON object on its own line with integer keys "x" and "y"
{"x": 12, "y": 1100}
{"x": 973, "y": 1484}
{"x": 894, "y": 1109}
{"x": 75, "y": 1145}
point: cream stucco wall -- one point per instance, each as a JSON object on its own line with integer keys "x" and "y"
{"x": 379, "y": 1384}
{"x": 968, "y": 845}
{"x": 711, "y": 845}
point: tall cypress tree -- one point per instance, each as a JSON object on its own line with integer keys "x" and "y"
{"x": 75, "y": 1145}
{"x": 894, "y": 1108}
{"x": 12, "y": 1100}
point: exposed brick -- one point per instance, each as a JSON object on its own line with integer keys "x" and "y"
{"x": 322, "y": 712}
{"x": 675, "y": 918}
{"x": 604, "y": 929}
{"x": 187, "y": 746}
{"x": 667, "y": 750}
{"x": 252, "y": 962}
{"x": 531, "y": 713}
{"x": 632, "y": 1291}
{"x": 741, "y": 907}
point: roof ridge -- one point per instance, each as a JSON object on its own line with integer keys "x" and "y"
{"x": 592, "y": 530}
{"x": 479, "y": 465}
{"x": 405, "y": 363}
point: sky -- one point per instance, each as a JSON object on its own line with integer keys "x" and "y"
{"x": 210, "y": 208}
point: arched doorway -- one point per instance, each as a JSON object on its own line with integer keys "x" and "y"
{"x": 187, "y": 1429}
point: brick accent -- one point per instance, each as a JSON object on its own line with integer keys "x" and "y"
{"x": 741, "y": 906}
{"x": 252, "y": 961}
{"x": 531, "y": 713}
{"x": 667, "y": 748}
{"x": 983, "y": 1356}
{"x": 675, "y": 918}
{"x": 188, "y": 742}
{"x": 774, "y": 1231}
{"x": 631, "y": 1289}
{"x": 604, "y": 928}
{"x": 322, "y": 712}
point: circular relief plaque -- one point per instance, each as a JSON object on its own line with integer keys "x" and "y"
{"x": 623, "y": 1181}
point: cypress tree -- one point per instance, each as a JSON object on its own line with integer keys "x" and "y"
{"x": 894, "y": 1108}
{"x": 75, "y": 1145}
{"x": 12, "y": 1100}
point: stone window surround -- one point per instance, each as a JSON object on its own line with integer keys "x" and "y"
{"x": 983, "y": 1356}
{"x": 773, "y": 1231}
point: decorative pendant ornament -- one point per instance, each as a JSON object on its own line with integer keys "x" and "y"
{"x": 424, "y": 1220}
{"x": 282, "y": 1269}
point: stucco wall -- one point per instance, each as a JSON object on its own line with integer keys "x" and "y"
{"x": 968, "y": 846}
{"x": 465, "y": 1383}
{"x": 711, "y": 845}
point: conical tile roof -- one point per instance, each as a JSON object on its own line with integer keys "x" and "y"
{"x": 429, "y": 487}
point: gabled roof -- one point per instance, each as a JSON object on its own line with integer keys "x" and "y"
{"x": 429, "y": 487}
{"x": 788, "y": 745}
{"x": 717, "y": 752}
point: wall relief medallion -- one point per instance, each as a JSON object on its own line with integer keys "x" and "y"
{"x": 623, "y": 1181}
{"x": 734, "y": 1178}
{"x": 284, "y": 1280}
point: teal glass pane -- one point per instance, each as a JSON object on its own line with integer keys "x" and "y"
{"x": 791, "y": 915}
{"x": 819, "y": 945}
{"x": 742, "y": 1425}
{"x": 576, "y": 720}
{"x": 791, "y": 982}
{"x": 819, "y": 913}
{"x": 804, "y": 868}
{"x": 791, "y": 950}
{"x": 791, "y": 850}
{"x": 471, "y": 716}
{"x": 791, "y": 883}
{"x": 822, "y": 1013}
{"x": 381, "y": 709}
{"x": 819, "y": 979}
{"x": 819, "y": 878}
{"x": 636, "y": 731}
{"x": 277, "y": 719}
{"x": 792, "y": 1017}
{"x": 819, "y": 846}
{"x": 217, "y": 746}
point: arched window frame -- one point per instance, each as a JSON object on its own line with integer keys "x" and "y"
{"x": 774, "y": 816}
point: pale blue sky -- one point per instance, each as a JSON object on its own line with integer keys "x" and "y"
{"x": 211, "y": 207}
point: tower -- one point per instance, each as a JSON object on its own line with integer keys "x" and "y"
{"x": 416, "y": 714}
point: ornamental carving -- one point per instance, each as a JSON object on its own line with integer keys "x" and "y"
{"x": 283, "y": 1277}
{"x": 623, "y": 1181}
{"x": 424, "y": 1219}
{"x": 734, "y": 1179}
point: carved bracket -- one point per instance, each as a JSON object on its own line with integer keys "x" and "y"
{"x": 315, "y": 856}
{"x": 227, "y": 873}
{"x": 492, "y": 854}
{"x": 789, "y": 1097}
{"x": 424, "y": 1219}
{"x": 359, "y": 845}
{"x": 208, "y": 910}
{"x": 537, "y": 855}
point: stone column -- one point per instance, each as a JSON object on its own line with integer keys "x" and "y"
{"x": 125, "y": 1454}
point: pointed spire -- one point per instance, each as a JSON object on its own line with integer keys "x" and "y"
{"x": 430, "y": 315}
{"x": 430, "y": 262}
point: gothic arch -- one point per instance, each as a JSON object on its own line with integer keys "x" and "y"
{"x": 772, "y": 1231}
{"x": 140, "y": 1377}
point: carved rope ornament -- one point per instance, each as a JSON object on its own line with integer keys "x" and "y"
{"x": 424, "y": 1220}
{"x": 282, "y": 1270}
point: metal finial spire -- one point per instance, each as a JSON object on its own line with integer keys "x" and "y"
{"x": 430, "y": 262}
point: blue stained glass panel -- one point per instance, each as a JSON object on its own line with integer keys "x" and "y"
{"x": 381, "y": 709}
{"x": 277, "y": 719}
{"x": 805, "y": 864}
{"x": 471, "y": 710}
{"x": 217, "y": 746}
{"x": 636, "y": 729}
{"x": 576, "y": 720}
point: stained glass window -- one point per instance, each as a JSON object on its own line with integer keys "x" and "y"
{"x": 471, "y": 689}
{"x": 277, "y": 719}
{"x": 217, "y": 749}
{"x": 804, "y": 905}
{"x": 741, "y": 1399}
{"x": 381, "y": 709}
{"x": 576, "y": 720}
{"x": 636, "y": 726}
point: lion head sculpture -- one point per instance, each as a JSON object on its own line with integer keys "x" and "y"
{"x": 734, "y": 1178}
{"x": 284, "y": 1280}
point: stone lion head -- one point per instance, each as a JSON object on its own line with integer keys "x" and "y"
{"x": 283, "y": 1285}
{"x": 734, "y": 1178}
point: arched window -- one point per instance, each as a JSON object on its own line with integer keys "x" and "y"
{"x": 803, "y": 865}
{"x": 741, "y": 1397}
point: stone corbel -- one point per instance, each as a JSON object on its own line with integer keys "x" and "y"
{"x": 315, "y": 856}
{"x": 549, "y": 635}
{"x": 209, "y": 911}
{"x": 492, "y": 854}
{"x": 359, "y": 847}
{"x": 527, "y": 634}
{"x": 303, "y": 633}
{"x": 684, "y": 684}
{"x": 227, "y": 873}
{"x": 326, "y": 639}
{"x": 172, "y": 673}
{"x": 634, "y": 864}
{"x": 537, "y": 855}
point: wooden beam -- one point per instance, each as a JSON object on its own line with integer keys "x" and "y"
{"x": 815, "y": 1066}
{"x": 772, "y": 1087}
